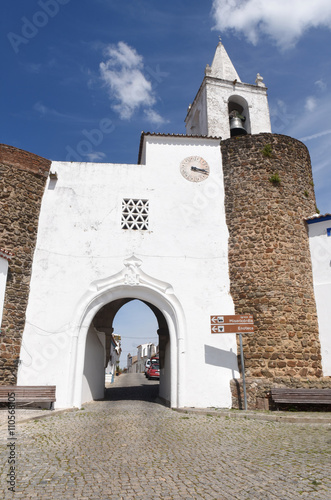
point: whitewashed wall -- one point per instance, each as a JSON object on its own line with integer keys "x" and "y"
{"x": 81, "y": 245}
{"x": 320, "y": 249}
{"x": 211, "y": 106}
{"x": 3, "y": 280}
{"x": 164, "y": 390}
{"x": 94, "y": 372}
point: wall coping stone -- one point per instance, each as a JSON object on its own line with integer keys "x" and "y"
{"x": 23, "y": 160}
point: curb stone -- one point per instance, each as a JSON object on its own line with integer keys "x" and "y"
{"x": 40, "y": 416}
{"x": 269, "y": 417}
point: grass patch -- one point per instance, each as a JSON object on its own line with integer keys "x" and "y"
{"x": 274, "y": 179}
{"x": 267, "y": 151}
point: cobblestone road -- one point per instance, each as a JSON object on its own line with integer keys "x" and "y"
{"x": 129, "y": 447}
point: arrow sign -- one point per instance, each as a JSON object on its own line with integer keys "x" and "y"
{"x": 216, "y": 319}
{"x": 239, "y": 323}
{"x": 232, "y": 320}
{"x": 217, "y": 329}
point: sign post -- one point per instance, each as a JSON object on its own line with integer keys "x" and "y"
{"x": 240, "y": 323}
{"x": 243, "y": 368}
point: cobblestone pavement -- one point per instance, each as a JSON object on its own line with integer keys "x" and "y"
{"x": 130, "y": 447}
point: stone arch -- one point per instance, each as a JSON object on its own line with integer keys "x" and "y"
{"x": 130, "y": 283}
{"x": 238, "y": 103}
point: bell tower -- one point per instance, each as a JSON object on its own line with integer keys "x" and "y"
{"x": 225, "y": 106}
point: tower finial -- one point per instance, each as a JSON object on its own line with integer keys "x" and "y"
{"x": 259, "y": 80}
{"x": 220, "y": 38}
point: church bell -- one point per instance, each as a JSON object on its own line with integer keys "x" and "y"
{"x": 236, "y": 126}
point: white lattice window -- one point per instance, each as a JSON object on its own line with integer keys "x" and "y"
{"x": 135, "y": 214}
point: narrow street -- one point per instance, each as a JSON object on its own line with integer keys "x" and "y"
{"x": 129, "y": 447}
{"x": 132, "y": 386}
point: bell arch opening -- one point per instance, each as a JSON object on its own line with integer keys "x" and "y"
{"x": 98, "y": 343}
{"x": 239, "y": 118}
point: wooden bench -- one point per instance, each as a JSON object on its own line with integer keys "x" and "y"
{"x": 28, "y": 394}
{"x": 301, "y": 396}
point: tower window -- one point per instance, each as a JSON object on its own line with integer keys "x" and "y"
{"x": 135, "y": 214}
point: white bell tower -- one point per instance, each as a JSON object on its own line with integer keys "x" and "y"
{"x": 225, "y": 106}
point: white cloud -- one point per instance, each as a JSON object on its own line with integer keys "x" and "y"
{"x": 128, "y": 87}
{"x": 41, "y": 108}
{"x": 46, "y": 111}
{"x": 33, "y": 67}
{"x": 154, "y": 117}
{"x": 49, "y": 113}
{"x": 281, "y": 117}
{"x": 310, "y": 103}
{"x": 321, "y": 84}
{"x": 284, "y": 21}
{"x": 316, "y": 136}
{"x": 95, "y": 155}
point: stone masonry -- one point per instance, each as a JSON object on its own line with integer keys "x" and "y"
{"x": 268, "y": 195}
{"x": 22, "y": 183}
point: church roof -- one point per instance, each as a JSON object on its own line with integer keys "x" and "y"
{"x": 222, "y": 66}
{"x": 159, "y": 134}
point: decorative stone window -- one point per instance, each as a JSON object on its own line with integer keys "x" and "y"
{"x": 135, "y": 214}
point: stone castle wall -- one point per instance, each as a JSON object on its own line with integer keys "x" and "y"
{"x": 269, "y": 257}
{"x": 22, "y": 183}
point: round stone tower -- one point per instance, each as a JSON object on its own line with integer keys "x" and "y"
{"x": 268, "y": 195}
{"x": 22, "y": 183}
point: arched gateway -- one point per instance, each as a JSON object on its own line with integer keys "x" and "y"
{"x": 108, "y": 233}
{"x": 131, "y": 283}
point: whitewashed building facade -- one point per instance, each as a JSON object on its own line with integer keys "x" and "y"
{"x": 155, "y": 231}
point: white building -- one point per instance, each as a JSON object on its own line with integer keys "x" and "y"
{"x": 132, "y": 366}
{"x": 5, "y": 257}
{"x": 114, "y": 357}
{"x": 320, "y": 247}
{"x": 144, "y": 352}
{"x": 156, "y": 233}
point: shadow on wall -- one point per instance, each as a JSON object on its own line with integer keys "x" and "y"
{"x": 219, "y": 357}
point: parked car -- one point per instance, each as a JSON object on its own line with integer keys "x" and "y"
{"x": 147, "y": 365}
{"x": 153, "y": 371}
{"x": 155, "y": 359}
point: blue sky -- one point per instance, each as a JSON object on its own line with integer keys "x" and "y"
{"x": 136, "y": 324}
{"x": 81, "y": 79}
